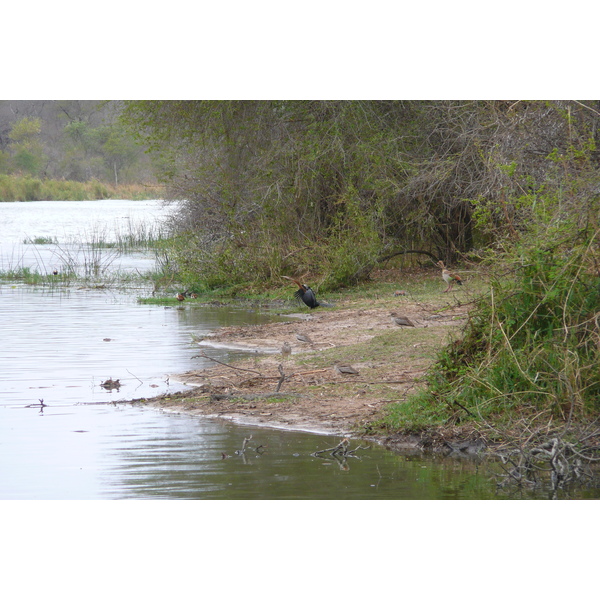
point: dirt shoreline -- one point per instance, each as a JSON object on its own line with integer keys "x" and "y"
{"x": 313, "y": 396}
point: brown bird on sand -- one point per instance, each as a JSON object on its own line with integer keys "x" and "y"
{"x": 449, "y": 277}
{"x": 345, "y": 369}
{"x": 401, "y": 321}
{"x": 286, "y": 350}
{"x": 302, "y": 337}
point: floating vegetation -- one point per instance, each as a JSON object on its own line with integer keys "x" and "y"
{"x": 41, "y": 240}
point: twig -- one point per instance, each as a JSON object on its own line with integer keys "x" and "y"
{"x": 281, "y": 379}
{"x": 225, "y": 364}
{"x": 134, "y": 376}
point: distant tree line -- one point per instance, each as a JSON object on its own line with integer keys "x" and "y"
{"x": 71, "y": 140}
{"x": 330, "y": 188}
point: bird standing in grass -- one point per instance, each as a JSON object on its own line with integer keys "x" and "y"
{"x": 180, "y": 297}
{"x": 449, "y": 278}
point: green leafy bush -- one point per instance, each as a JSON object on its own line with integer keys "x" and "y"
{"x": 531, "y": 346}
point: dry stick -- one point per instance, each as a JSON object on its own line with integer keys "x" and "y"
{"x": 225, "y": 364}
{"x": 246, "y": 440}
{"x": 134, "y": 375}
{"x": 281, "y": 379}
{"x": 340, "y": 382}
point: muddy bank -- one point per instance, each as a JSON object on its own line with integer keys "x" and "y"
{"x": 304, "y": 390}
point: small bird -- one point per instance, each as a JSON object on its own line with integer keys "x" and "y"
{"x": 286, "y": 350}
{"x": 401, "y": 321}
{"x": 449, "y": 278}
{"x": 345, "y": 369}
{"x": 304, "y": 293}
{"x": 302, "y": 337}
{"x": 180, "y": 297}
{"x": 400, "y": 293}
{"x": 193, "y": 295}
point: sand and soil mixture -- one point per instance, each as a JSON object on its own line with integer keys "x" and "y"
{"x": 304, "y": 390}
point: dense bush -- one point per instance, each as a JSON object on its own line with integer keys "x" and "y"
{"x": 531, "y": 347}
{"x": 326, "y": 188}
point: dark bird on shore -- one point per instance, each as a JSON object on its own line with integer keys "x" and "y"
{"x": 180, "y": 297}
{"x": 401, "y": 321}
{"x": 304, "y": 293}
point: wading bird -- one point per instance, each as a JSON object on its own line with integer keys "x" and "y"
{"x": 449, "y": 278}
{"x": 304, "y": 293}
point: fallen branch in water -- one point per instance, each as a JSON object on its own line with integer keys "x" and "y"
{"x": 340, "y": 450}
{"x": 41, "y": 404}
{"x": 134, "y": 376}
{"x": 245, "y": 444}
{"x": 565, "y": 463}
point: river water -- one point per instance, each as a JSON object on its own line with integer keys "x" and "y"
{"x": 59, "y": 439}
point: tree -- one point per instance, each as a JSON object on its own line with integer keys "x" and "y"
{"x": 329, "y": 187}
{"x": 25, "y": 145}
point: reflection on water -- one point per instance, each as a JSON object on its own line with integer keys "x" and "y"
{"x": 60, "y": 345}
{"x": 128, "y": 452}
{"x": 73, "y": 226}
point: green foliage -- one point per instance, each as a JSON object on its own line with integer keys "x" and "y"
{"x": 41, "y": 240}
{"x": 72, "y": 140}
{"x": 26, "y": 148}
{"x": 531, "y": 346}
{"x": 354, "y": 244}
{"x": 323, "y": 189}
{"x": 25, "y": 131}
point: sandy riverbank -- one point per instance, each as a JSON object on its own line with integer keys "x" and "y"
{"x": 313, "y": 395}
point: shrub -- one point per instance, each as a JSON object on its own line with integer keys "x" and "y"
{"x": 531, "y": 346}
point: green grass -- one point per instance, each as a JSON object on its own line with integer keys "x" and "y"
{"x": 33, "y": 277}
{"x": 16, "y": 188}
{"x": 41, "y": 240}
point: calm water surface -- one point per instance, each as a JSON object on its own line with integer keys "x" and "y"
{"x": 59, "y": 344}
